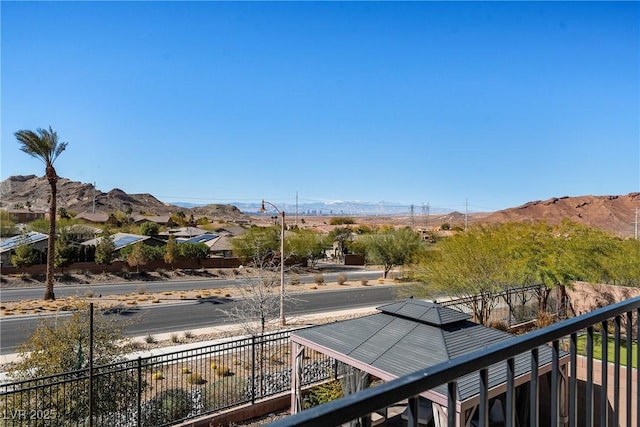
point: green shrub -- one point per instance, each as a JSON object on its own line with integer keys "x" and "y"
{"x": 168, "y": 406}
{"x": 324, "y": 393}
{"x": 225, "y": 392}
{"x": 341, "y": 220}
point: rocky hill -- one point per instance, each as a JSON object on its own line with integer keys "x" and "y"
{"x": 79, "y": 197}
{"x": 616, "y": 214}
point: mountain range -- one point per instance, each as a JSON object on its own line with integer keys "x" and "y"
{"x": 617, "y": 214}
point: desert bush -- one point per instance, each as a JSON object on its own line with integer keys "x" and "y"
{"x": 175, "y": 338}
{"x": 364, "y": 282}
{"x": 544, "y": 319}
{"x": 166, "y": 407}
{"x": 194, "y": 378}
{"x": 188, "y": 334}
{"x": 500, "y": 325}
{"x": 150, "y": 339}
{"x": 294, "y": 279}
{"x": 223, "y": 371}
{"x": 342, "y": 279}
{"x": 140, "y": 289}
{"x": 341, "y": 220}
{"x": 318, "y": 279}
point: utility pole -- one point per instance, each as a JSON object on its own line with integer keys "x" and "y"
{"x": 296, "y": 208}
{"x": 466, "y": 214}
{"x": 636, "y": 232}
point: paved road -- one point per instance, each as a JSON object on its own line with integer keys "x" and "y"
{"x": 202, "y": 313}
{"x": 61, "y": 291}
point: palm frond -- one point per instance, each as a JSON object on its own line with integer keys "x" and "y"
{"x": 42, "y": 144}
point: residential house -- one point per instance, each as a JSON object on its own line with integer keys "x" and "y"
{"x": 38, "y": 241}
{"x": 122, "y": 240}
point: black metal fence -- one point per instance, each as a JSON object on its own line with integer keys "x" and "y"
{"x": 511, "y": 306}
{"x": 160, "y": 390}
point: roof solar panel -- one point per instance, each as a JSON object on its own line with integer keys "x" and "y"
{"x": 126, "y": 240}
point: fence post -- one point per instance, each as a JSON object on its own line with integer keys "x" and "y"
{"x": 91, "y": 365}
{"x": 139, "y": 392}
{"x": 253, "y": 369}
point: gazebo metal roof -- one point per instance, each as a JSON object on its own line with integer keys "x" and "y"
{"x": 411, "y": 335}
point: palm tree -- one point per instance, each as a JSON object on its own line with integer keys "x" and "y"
{"x": 43, "y": 144}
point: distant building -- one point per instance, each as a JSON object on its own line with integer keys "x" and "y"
{"x": 21, "y": 216}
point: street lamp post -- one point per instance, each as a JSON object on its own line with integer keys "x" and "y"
{"x": 283, "y": 321}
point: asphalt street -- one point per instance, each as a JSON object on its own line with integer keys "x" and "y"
{"x": 205, "y": 312}
{"x": 62, "y": 291}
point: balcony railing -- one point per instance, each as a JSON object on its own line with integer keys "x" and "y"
{"x": 585, "y": 401}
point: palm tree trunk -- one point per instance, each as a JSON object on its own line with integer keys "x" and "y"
{"x": 51, "y": 244}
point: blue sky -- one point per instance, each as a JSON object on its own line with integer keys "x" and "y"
{"x": 496, "y": 104}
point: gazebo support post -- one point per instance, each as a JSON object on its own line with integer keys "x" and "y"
{"x": 296, "y": 378}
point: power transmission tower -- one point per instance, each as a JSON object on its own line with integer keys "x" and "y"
{"x": 411, "y": 213}
{"x": 425, "y": 214}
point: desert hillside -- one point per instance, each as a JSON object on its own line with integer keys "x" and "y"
{"x": 79, "y": 197}
{"x": 616, "y": 214}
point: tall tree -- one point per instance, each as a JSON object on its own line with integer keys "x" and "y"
{"x": 105, "y": 248}
{"x": 341, "y": 236}
{"x": 7, "y": 226}
{"x": 44, "y": 145}
{"x": 392, "y": 248}
{"x": 171, "y": 251}
{"x": 471, "y": 265}
{"x": 307, "y": 244}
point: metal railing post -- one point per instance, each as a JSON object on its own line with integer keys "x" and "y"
{"x": 139, "y": 392}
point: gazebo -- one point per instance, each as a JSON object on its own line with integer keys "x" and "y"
{"x": 411, "y": 335}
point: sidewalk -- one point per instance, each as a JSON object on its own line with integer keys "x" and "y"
{"x": 293, "y": 320}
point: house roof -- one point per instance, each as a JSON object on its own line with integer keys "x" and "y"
{"x": 411, "y": 335}
{"x": 93, "y": 216}
{"x": 120, "y": 240}
{"x": 184, "y": 232}
{"x": 203, "y": 238}
{"x": 232, "y": 230}
{"x": 222, "y": 243}
{"x": 29, "y": 238}
{"x": 158, "y": 219}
